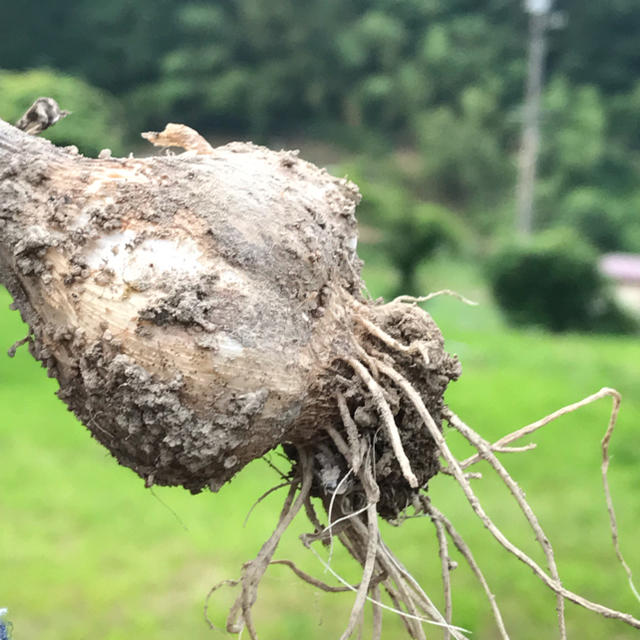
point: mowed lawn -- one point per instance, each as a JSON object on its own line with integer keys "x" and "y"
{"x": 86, "y": 552}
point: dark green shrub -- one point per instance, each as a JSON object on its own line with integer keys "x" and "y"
{"x": 552, "y": 281}
{"x": 420, "y": 232}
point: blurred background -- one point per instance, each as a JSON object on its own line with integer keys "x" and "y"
{"x": 497, "y": 147}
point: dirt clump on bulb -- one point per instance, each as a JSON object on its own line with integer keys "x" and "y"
{"x": 199, "y": 310}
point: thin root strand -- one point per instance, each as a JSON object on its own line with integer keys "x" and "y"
{"x": 386, "y": 415}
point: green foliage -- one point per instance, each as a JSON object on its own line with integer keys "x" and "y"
{"x": 420, "y": 232}
{"x": 96, "y": 119}
{"x": 597, "y": 45}
{"x": 248, "y": 66}
{"x": 553, "y": 281}
{"x": 115, "y": 45}
{"x": 262, "y": 67}
{"x": 462, "y": 163}
{"x": 574, "y": 148}
{"x": 412, "y": 230}
{"x": 598, "y": 217}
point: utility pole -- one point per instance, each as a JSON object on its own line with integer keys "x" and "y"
{"x": 530, "y": 146}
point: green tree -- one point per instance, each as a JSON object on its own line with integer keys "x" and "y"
{"x": 421, "y": 231}
{"x": 552, "y": 281}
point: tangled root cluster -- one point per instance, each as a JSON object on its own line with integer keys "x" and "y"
{"x": 367, "y": 467}
{"x": 377, "y": 419}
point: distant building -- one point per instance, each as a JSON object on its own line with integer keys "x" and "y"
{"x": 623, "y": 269}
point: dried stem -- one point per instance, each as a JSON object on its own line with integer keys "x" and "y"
{"x": 526, "y": 447}
{"x": 367, "y": 572}
{"x": 341, "y": 445}
{"x": 464, "y": 549}
{"x": 435, "y": 294}
{"x": 478, "y": 509}
{"x": 414, "y": 619}
{"x": 395, "y": 598}
{"x": 268, "y": 492}
{"x": 607, "y": 491}
{"x": 420, "y": 597}
{"x": 382, "y": 335}
{"x": 352, "y": 432}
{"x": 312, "y": 515}
{"x": 443, "y": 551}
{"x": 240, "y": 613}
{"x": 310, "y": 579}
{"x": 373, "y": 495}
{"x": 386, "y": 415}
{"x": 376, "y": 633}
{"x": 484, "y": 449}
{"x": 307, "y": 540}
{"x": 223, "y": 583}
{"x": 534, "y": 426}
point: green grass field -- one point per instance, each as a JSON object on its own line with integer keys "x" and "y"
{"x": 86, "y": 552}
